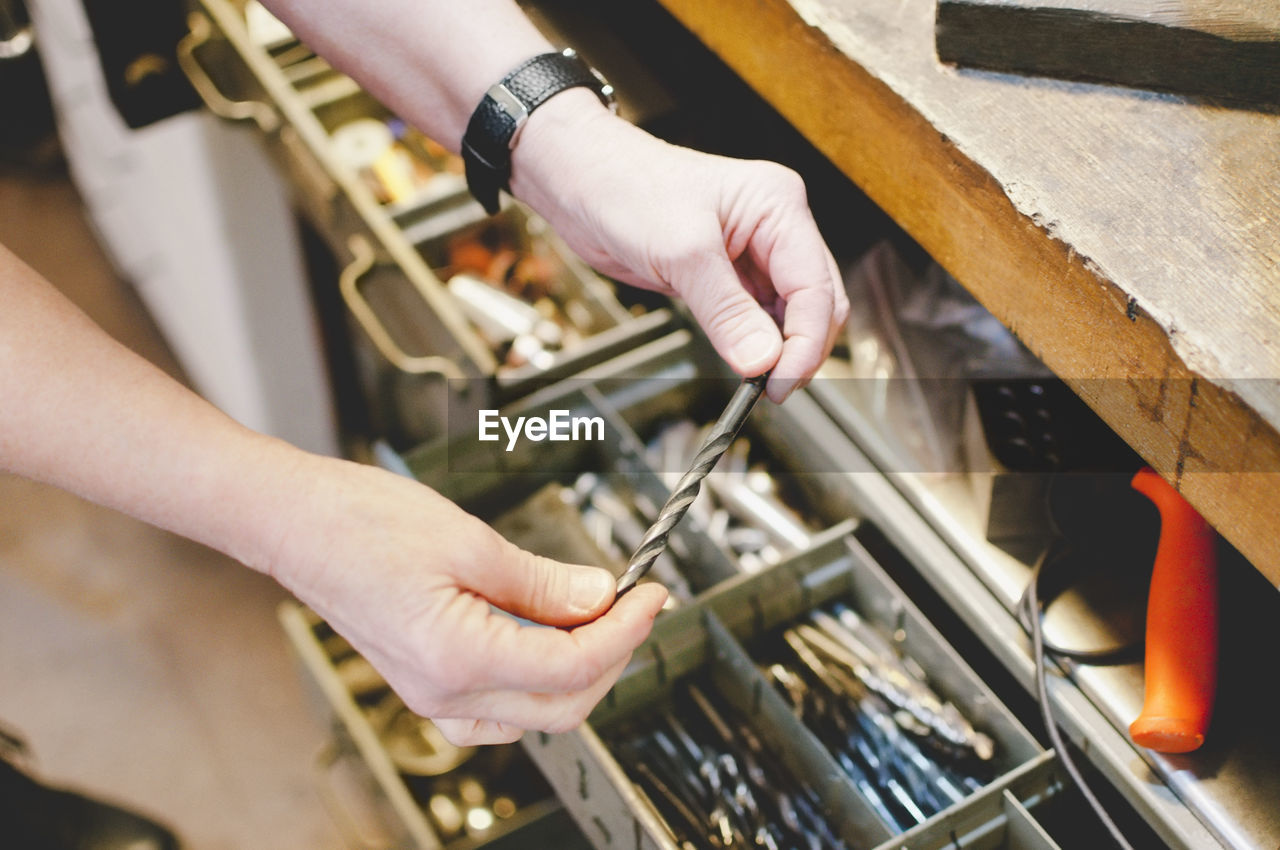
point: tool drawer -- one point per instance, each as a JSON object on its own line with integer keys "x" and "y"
{"x": 1222, "y": 795}
{"x": 706, "y": 665}
{"x": 393, "y": 220}
{"x": 732, "y": 633}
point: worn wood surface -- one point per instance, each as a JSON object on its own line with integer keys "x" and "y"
{"x": 1218, "y": 48}
{"x": 1132, "y": 240}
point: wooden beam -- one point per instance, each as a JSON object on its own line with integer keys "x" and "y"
{"x": 963, "y": 165}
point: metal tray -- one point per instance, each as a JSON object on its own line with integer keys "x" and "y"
{"x": 674, "y": 376}
{"x": 707, "y": 640}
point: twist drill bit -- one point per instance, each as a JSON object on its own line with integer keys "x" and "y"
{"x": 686, "y": 490}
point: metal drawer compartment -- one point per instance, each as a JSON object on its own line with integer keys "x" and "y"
{"x": 714, "y": 637}
{"x": 388, "y": 202}
{"x": 713, "y": 642}
{"x": 724, "y": 634}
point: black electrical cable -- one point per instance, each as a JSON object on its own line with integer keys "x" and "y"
{"x": 1034, "y": 615}
{"x": 1059, "y": 554}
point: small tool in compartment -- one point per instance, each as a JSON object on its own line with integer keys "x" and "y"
{"x": 520, "y": 288}
{"x": 909, "y": 753}
{"x": 715, "y": 782}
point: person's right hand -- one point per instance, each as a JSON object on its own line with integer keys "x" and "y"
{"x": 735, "y": 239}
{"x": 408, "y": 578}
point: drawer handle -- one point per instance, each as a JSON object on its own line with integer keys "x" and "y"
{"x": 218, "y": 103}
{"x": 349, "y": 286}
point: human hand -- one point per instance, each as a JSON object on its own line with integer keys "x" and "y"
{"x": 408, "y": 577}
{"x": 734, "y": 238}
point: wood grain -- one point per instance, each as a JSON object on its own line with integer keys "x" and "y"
{"x": 1216, "y": 48}
{"x": 1131, "y": 240}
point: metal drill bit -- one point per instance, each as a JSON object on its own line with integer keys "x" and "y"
{"x": 717, "y": 442}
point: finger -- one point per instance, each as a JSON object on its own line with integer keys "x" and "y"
{"x": 809, "y": 336}
{"x": 839, "y": 316}
{"x": 503, "y": 654}
{"x": 554, "y": 713}
{"x": 842, "y": 297}
{"x": 477, "y": 733}
{"x": 735, "y": 323}
{"x": 540, "y": 589}
{"x": 804, "y": 274}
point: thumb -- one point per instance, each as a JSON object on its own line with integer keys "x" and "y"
{"x": 546, "y": 591}
{"x": 735, "y": 323}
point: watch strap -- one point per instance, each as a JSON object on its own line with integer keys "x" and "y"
{"x": 492, "y": 129}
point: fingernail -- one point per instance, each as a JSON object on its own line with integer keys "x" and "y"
{"x": 757, "y": 350}
{"x": 779, "y": 388}
{"x": 589, "y": 589}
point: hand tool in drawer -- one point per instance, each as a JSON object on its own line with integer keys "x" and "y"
{"x": 397, "y": 163}
{"x": 844, "y": 638}
{"x": 1182, "y": 610}
{"x": 520, "y": 287}
{"x": 686, "y": 490}
{"x": 1106, "y": 528}
{"x": 1182, "y": 625}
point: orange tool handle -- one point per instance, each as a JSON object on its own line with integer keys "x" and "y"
{"x": 1182, "y": 625}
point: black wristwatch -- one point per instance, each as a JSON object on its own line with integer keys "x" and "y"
{"x": 491, "y": 132}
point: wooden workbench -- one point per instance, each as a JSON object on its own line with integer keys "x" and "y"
{"x": 1131, "y": 239}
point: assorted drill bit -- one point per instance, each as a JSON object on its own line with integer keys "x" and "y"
{"x": 716, "y": 785}
{"x": 909, "y": 753}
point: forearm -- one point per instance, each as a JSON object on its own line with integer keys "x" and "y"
{"x": 82, "y": 412}
{"x": 430, "y": 60}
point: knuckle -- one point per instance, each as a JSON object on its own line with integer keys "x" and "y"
{"x": 690, "y": 252}
{"x": 579, "y": 678}
{"x": 568, "y": 721}
{"x": 447, "y": 673}
{"x": 785, "y": 182}
{"x": 732, "y": 318}
{"x": 582, "y": 674}
{"x": 841, "y": 312}
{"x": 549, "y": 587}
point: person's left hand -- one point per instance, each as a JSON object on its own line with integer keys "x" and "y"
{"x": 412, "y": 581}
